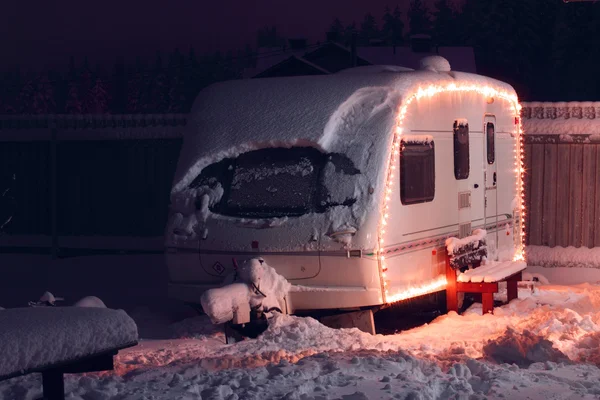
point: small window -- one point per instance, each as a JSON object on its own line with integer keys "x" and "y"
{"x": 417, "y": 172}
{"x": 491, "y": 145}
{"x": 461, "y": 150}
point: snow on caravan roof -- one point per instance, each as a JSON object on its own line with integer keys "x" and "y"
{"x": 326, "y": 112}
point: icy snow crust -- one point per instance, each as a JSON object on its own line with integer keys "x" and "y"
{"x": 38, "y": 336}
{"x": 348, "y": 113}
{"x": 544, "y": 345}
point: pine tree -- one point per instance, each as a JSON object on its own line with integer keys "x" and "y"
{"x": 418, "y": 18}
{"x": 134, "y": 88}
{"x": 96, "y": 101}
{"x": 25, "y": 98}
{"x": 444, "y": 26}
{"x": 73, "y": 103}
{"x": 337, "y": 27}
{"x": 119, "y": 93}
{"x": 368, "y": 29}
{"x": 349, "y": 32}
{"x": 158, "y": 101}
{"x": 393, "y": 27}
{"x": 43, "y": 100}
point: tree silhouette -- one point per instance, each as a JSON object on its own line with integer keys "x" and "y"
{"x": 444, "y": 25}
{"x": 393, "y": 27}
{"x": 418, "y": 18}
{"x": 368, "y": 30}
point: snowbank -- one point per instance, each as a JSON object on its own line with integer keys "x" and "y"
{"x": 543, "y": 345}
{"x": 38, "y": 336}
{"x": 561, "y": 118}
{"x": 566, "y": 257}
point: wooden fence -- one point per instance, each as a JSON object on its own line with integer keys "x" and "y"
{"x": 88, "y": 175}
{"x": 562, "y": 158}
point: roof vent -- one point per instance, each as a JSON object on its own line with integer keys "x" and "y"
{"x": 435, "y": 64}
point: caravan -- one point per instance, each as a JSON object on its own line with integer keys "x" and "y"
{"x": 347, "y": 185}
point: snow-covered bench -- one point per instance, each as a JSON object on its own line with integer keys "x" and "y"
{"x": 58, "y": 340}
{"x": 464, "y": 257}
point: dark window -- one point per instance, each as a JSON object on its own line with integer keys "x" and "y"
{"x": 491, "y": 145}
{"x": 461, "y": 150}
{"x": 278, "y": 182}
{"x": 417, "y": 172}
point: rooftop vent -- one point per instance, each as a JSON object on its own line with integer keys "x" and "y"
{"x": 435, "y": 64}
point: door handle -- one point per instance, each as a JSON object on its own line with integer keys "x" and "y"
{"x": 494, "y": 177}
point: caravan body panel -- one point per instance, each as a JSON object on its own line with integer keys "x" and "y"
{"x": 339, "y": 129}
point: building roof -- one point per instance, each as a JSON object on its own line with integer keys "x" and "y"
{"x": 460, "y": 58}
{"x": 333, "y": 57}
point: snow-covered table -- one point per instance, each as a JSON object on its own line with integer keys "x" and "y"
{"x": 59, "y": 340}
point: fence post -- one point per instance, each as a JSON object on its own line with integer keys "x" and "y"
{"x": 54, "y": 188}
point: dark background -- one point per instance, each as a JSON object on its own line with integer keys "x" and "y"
{"x": 149, "y": 57}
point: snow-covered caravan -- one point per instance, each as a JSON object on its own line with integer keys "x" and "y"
{"x": 346, "y": 184}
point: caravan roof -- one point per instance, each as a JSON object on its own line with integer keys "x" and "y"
{"x": 326, "y": 112}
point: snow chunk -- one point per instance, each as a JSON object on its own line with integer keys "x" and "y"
{"x": 90, "y": 301}
{"x": 221, "y": 303}
{"x": 40, "y": 336}
{"x": 364, "y": 104}
{"x": 435, "y": 64}
{"x": 522, "y": 348}
{"x": 260, "y": 286}
{"x": 461, "y": 122}
{"x": 454, "y": 245}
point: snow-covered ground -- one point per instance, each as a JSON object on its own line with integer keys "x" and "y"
{"x": 542, "y": 345}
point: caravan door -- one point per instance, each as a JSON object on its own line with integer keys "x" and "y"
{"x": 491, "y": 184}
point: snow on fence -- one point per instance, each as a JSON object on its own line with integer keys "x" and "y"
{"x": 562, "y": 158}
{"x": 88, "y": 175}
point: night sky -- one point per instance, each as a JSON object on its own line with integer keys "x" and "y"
{"x": 40, "y": 33}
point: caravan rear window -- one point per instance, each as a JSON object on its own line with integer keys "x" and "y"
{"x": 461, "y": 150}
{"x": 280, "y": 182}
{"x": 417, "y": 172}
{"x": 266, "y": 182}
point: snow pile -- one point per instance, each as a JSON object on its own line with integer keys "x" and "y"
{"x": 361, "y": 106}
{"x": 39, "y": 336}
{"x": 562, "y": 118}
{"x": 567, "y": 257}
{"x": 90, "y": 301}
{"x": 492, "y": 271}
{"x": 455, "y": 245}
{"x": 522, "y": 348}
{"x": 220, "y": 304}
{"x": 260, "y": 287}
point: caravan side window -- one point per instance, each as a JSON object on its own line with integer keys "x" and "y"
{"x": 461, "y": 150}
{"x": 417, "y": 172}
{"x": 491, "y": 145}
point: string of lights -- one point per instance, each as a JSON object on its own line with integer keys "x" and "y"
{"x": 428, "y": 92}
